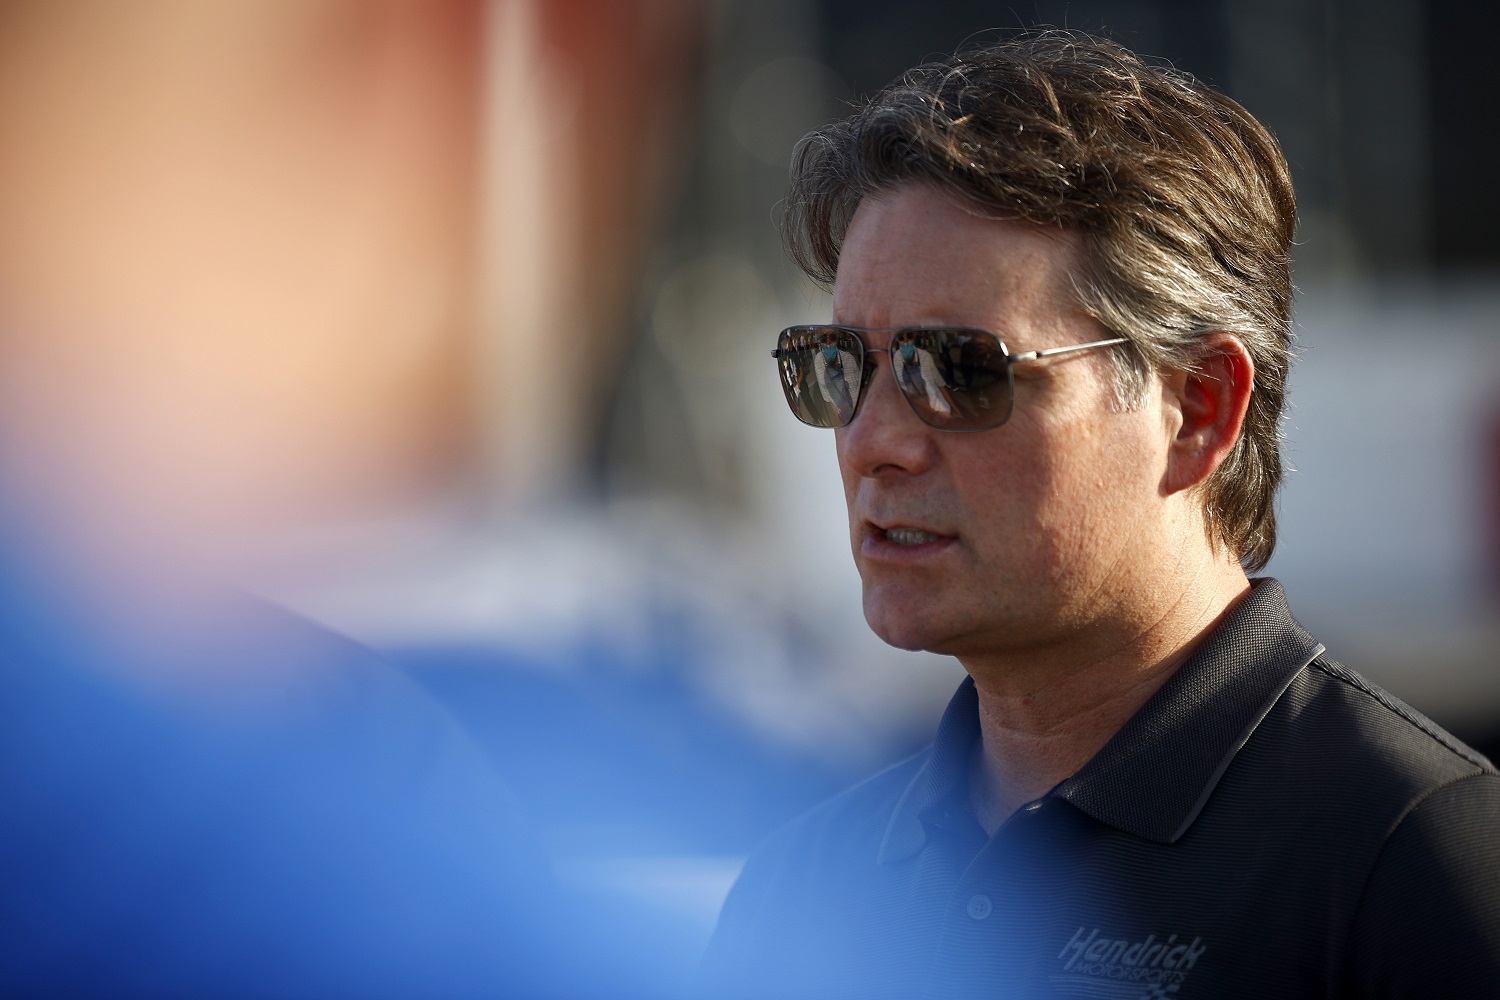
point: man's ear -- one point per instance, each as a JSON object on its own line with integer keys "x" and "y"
{"x": 1209, "y": 404}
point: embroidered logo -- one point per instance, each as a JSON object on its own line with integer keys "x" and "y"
{"x": 1149, "y": 969}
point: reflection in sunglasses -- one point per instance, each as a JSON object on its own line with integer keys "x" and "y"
{"x": 919, "y": 378}
{"x": 837, "y": 374}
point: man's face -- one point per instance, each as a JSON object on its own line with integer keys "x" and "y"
{"x": 1014, "y": 538}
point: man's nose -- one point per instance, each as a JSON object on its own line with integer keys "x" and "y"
{"x": 886, "y": 437}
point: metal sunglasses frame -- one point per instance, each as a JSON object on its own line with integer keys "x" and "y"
{"x": 866, "y": 373}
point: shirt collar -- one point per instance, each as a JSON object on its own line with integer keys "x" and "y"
{"x": 943, "y": 772}
{"x": 1155, "y": 775}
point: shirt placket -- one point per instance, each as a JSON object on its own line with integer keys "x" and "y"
{"x": 992, "y": 913}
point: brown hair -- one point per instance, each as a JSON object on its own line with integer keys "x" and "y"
{"x": 1182, "y": 200}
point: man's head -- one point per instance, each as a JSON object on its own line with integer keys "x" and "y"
{"x": 1056, "y": 190}
{"x": 1181, "y": 202}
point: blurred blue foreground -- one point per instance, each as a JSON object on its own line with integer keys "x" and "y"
{"x": 329, "y": 831}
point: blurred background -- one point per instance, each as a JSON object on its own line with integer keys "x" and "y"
{"x": 447, "y": 324}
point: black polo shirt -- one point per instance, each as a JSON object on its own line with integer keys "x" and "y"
{"x": 1269, "y": 824}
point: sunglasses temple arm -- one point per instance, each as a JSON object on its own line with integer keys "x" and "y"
{"x": 1034, "y": 355}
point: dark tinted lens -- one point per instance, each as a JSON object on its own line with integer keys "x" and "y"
{"x": 820, "y": 368}
{"x": 955, "y": 379}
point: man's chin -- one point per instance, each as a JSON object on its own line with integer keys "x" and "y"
{"x": 909, "y": 630}
{"x": 912, "y": 645}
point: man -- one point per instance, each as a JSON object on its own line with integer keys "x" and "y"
{"x": 1154, "y": 782}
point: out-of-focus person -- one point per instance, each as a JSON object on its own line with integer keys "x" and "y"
{"x": 1154, "y": 782}
{"x": 239, "y": 285}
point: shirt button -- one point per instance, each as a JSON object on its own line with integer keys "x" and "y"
{"x": 980, "y": 907}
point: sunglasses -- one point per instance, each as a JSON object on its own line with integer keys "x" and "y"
{"x": 955, "y": 379}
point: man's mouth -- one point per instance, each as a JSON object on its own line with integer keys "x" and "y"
{"x": 909, "y": 536}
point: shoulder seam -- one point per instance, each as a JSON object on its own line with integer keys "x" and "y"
{"x": 1385, "y": 842}
{"x": 1411, "y": 716}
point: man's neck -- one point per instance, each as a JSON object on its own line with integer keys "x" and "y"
{"x": 1040, "y": 723}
